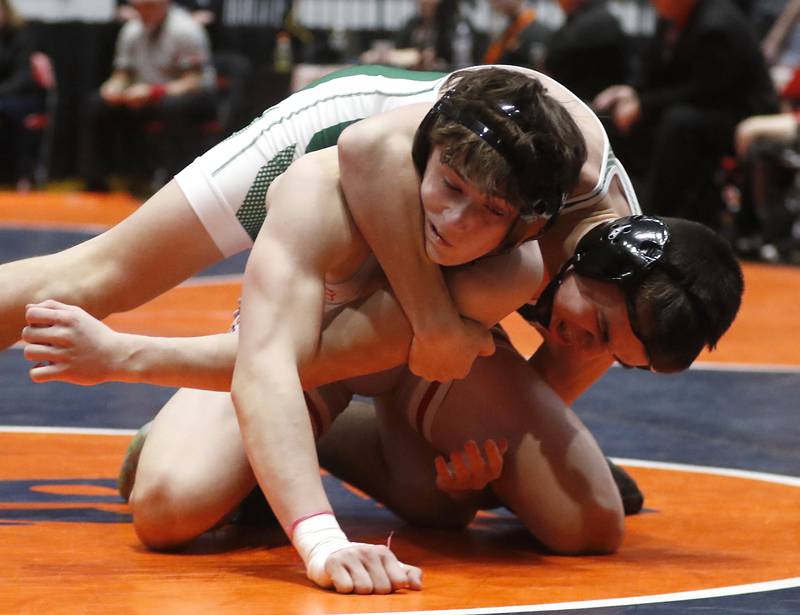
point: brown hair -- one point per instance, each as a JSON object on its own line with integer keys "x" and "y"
{"x": 678, "y": 320}
{"x": 543, "y": 136}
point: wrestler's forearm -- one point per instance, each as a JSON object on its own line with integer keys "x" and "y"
{"x": 363, "y": 338}
{"x": 569, "y": 372}
{"x": 194, "y": 362}
{"x": 278, "y": 438}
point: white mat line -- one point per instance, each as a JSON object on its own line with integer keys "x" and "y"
{"x": 732, "y": 590}
{"x": 721, "y": 592}
{"x": 773, "y": 368}
{"x": 766, "y": 477}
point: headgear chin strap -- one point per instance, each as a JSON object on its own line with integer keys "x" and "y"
{"x": 537, "y": 207}
{"x": 622, "y": 251}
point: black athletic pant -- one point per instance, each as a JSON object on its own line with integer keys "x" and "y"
{"x": 177, "y": 118}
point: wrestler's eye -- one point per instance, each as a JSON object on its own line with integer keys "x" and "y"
{"x": 451, "y": 186}
{"x": 497, "y": 210}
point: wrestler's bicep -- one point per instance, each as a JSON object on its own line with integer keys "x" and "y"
{"x": 281, "y": 304}
{"x": 283, "y": 294}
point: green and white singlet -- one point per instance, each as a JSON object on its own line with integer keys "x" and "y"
{"x": 227, "y": 185}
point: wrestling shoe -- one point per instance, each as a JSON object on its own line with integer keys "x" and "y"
{"x": 632, "y": 497}
{"x": 127, "y": 472}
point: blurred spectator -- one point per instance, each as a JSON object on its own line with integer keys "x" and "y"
{"x": 162, "y": 74}
{"x": 590, "y": 51}
{"x": 781, "y": 44}
{"x": 204, "y": 12}
{"x": 780, "y": 128}
{"x": 767, "y": 150}
{"x": 19, "y": 97}
{"x": 524, "y": 40}
{"x": 768, "y": 165}
{"x": 781, "y": 48}
{"x": 208, "y": 13}
{"x": 703, "y": 73}
{"x": 438, "y": 37}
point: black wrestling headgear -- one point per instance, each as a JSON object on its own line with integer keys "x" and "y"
{"x": 623, "y": 251}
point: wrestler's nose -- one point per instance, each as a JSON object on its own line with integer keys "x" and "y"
{"x": 459, "y": 216}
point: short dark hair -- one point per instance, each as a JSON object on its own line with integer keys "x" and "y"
{"x": 544, "y": 135}
{"x": 678, "y": 320}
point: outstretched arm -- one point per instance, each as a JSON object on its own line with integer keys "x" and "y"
{"x": 281, "y": 319}
{"x": 70, "y": 345}
{"x": 67, "y": 343}
{"x": 381, "y": 187}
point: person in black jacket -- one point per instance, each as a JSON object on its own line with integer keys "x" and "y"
{"x": 590, "y": 51}
{"x": 437, "y": 37}
{"x": 524, "y": 40}
{"x": 702, "y": 74}
{"x": 19, "y": 96}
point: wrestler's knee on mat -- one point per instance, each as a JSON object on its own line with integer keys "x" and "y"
{"x": 595, "y": 530}
{"x": 162, "y": 518}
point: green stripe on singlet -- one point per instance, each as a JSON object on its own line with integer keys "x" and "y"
{"x": 316, "y": 103}
{"x": 253, "y": 212}
{"x": 328, "y": 137}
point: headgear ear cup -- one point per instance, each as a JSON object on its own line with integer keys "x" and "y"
{"x": 621, "y": 251}
{"x": 421, "y": 148}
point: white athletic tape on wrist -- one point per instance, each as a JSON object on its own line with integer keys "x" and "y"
{"x": 316, "y": 539}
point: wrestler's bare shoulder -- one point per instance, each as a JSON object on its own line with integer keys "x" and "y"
{"x": 387, "y": 134}
{"x": 306, "y": 201}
